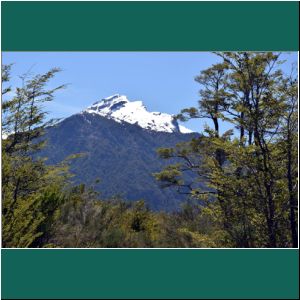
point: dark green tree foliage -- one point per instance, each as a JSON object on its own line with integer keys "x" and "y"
{"x": 288, "y": 148}
{"x": 27, "y": 185}
{"x": 242, "y": 183}
{"x": 86, "y": 221}
{"x": 254, "y": 170}
{"x": 41, "y": 209}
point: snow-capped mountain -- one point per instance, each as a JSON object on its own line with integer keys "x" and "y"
{"x": 122, "y": 155}
{"x": 120, "y": 109}
{"x": 118, "y": 140}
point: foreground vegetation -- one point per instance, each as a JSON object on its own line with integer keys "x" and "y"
{"x": 250, "y": 170}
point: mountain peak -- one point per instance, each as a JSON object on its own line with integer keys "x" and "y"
{"x": 120, "y": 109}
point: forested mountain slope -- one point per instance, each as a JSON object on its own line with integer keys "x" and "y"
{"x": 122, "y": 155}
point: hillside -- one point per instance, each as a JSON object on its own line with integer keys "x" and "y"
{"x": 122, "y": 155}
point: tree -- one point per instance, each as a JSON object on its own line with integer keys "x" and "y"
{"x": 248, "y": 178}
{"x": 287, "y": 142}
{"x": 26, "y": 181}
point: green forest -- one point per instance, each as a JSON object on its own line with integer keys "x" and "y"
{"x": 250, "y": 170}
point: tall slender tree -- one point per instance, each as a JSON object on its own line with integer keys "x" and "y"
{"x": 25, "y": 178}
{"x": 249, "y": 181}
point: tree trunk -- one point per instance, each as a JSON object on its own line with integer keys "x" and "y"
{"x": 292, "y": 199}
{"x": 216, "y": 125}
{"x": 242, "y": 128}
{"x": 268, "y": 183}
{"x": 250, "y": 137}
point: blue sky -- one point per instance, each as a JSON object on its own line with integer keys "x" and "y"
{"x": 164, "y": 81}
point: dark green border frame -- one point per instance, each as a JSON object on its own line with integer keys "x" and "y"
{"x": 158, "y": 273}
{"x": 150, "y": 26}
{"x": 150, "y": 274}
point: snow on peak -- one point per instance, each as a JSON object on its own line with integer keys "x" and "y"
{"x": 120, "y": 109}
{"x": 183, "y": 129}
